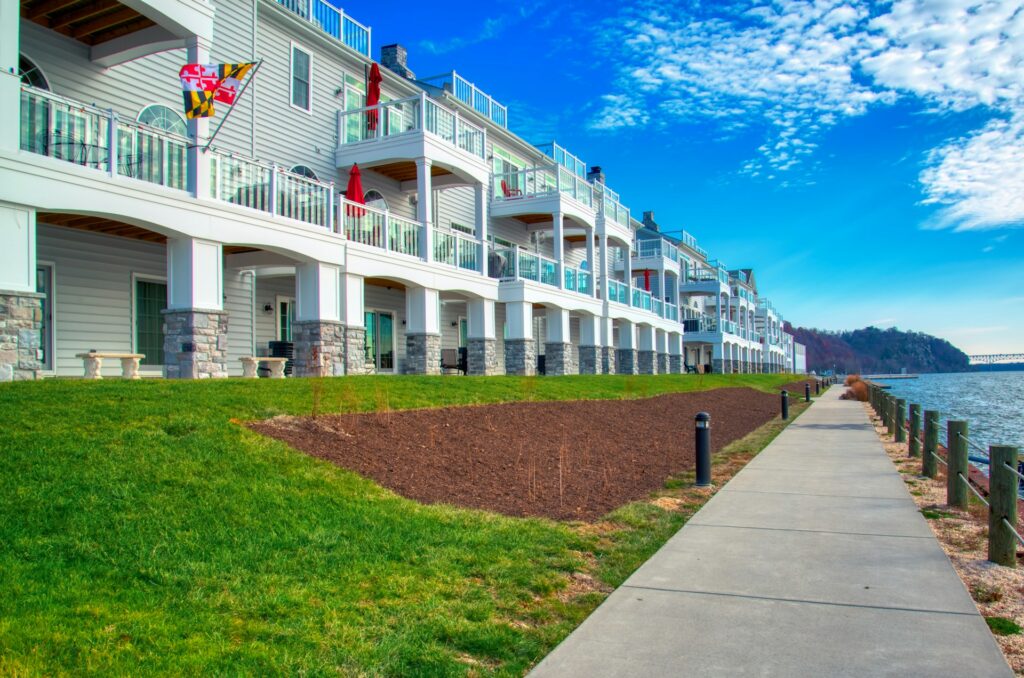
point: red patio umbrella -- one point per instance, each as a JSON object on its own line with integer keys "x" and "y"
{"x": 373, "y": 96}
{"x": 354, "y": 192}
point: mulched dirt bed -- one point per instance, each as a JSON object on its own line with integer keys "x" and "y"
{"x": 568, "y": 460}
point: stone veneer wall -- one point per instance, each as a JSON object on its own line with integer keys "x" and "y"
{"x": 559, "y": 359}
{"x": 319, "y": 348}
{"x": 422, "y": 353}
{"x": 608, "y": 360}
{"x": 481, "y": 357}
{"x": 647, "y": 362}
{"x": 520, "y": 357}
{"x": 626, "y": 361}
{"x": 195, "y": 343}
{"x": 590, "y": 360}
{"x": 21, "y": 317}
{"x": 675, "y": 364}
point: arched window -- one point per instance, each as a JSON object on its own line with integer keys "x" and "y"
{"x": 30, "y": 74}
{"x": 304, "y": 171}
{"x": 163, "y": 117}
{"x": 375, "y": 199}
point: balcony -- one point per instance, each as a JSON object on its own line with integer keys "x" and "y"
{"x": 389, "y": 136}
{"x": 532, "y": 195}
{"x": 125, "y": 150}
{"x": 469, "y": 94}
{"x": 332, "y": 21}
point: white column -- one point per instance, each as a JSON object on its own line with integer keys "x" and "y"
{"x": 422, "y": 311}
{"x": 195, "y": 274}
{"x": 590, "y": 263}
{"x": 646, "y": 333}
{"x": 17, "y": 240}
{"x": 558, "y": 239}
{"x": 557, "y": 326}
{"x": 10, "y": 83}
{"x": 424, "y": 207}
{"x": 198, "y": 52}
{"x": 590, "y": 330}
{"x": 318, "y": 292}
{"x": 519, "y": 317}
{"x": 352, "y": 300}
{"x": 480, "y": 319}
{"x": 480, "y": 196}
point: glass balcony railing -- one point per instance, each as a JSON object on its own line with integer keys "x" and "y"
{"x": 333, "y": 22}
{"x": 456, "y": 249}
{"x": 380, "y": 228}
{"x": 412, "y": 114}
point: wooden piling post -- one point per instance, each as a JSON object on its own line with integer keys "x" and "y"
{"x": 929, "y": 465}
{"x": 956, "y": 463}
{"x": 914, "y": 448}
{"x": 901, "y": 420}
{"x": 1002, "y": 544}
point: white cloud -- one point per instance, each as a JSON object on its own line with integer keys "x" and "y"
{"x": 798, "y": 67}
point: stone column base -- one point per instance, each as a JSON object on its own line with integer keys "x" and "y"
{"x": 481, "y": 357}
{"x": 675, "y": 364}
{"x": 608, "y": 360}
{"x": 647, "y": 362}
{"x": 423, "y": 354}
{"x": 590, "y": 360}
{"x": 319, "y": 348}
{"x": 195, "y": 343}
{"x": 520, "y": 357}
{"x": 21, "y": 316}
{"x": 559, "y": 359}
{"x": 663, "y": 363}
{"x": 355, "y": 351}
{"x": 626, "y": 361}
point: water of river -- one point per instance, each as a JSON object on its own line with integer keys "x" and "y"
{"x": 992, "y": 404}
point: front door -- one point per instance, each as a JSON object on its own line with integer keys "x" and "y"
{"x": 380, "y": 340}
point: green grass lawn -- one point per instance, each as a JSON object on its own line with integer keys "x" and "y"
{"x": 143, "y": 531}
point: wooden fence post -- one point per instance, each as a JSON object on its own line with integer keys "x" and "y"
{"x": 929, "y": 465}
{"x": 956, "y": 463}
{"x": 1002, "y": 544}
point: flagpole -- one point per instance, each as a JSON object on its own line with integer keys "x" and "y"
{"x": 237, "y": 99}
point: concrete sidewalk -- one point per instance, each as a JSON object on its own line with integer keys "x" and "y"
{"x": 812, "y": 561}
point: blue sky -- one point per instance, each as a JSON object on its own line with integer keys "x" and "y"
{"x": 867, "y": 160}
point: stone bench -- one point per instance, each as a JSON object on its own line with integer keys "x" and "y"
{"x": 94, "y": 363}
{"x": 250, "y": 363}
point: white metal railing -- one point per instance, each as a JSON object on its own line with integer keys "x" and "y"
{"x": 618, "y": 292}
{"x": 401, "y": 116}
{"x": 380, "y": 228}
{"x": 77, "y": 133}
{"x": 268, "y": 188}
{"x": 332, "y": 21}
{"x": 456, "y": 249}
{"x": 471, "y": 95}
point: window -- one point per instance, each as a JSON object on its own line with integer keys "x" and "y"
{"x": 163, "y": 117}
{"x": 30, "y": 74}
{"x": 304, "y": 171}
{"x": 374, "y": 198}
{"x": 150, "y": 300}
{"x": 302, "y": 79}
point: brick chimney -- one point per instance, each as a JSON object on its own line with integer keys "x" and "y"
{"x": 649, "y": 221}
{"x": 595, "y": 175}
{"x": 394, "y": 58}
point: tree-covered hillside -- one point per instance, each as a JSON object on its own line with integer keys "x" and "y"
{"x": 873, "y": 351}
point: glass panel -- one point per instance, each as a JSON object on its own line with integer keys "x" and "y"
{"x": 150, "y": 300}
{"x": 386, "y": 342}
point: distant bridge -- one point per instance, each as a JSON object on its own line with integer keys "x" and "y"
{"x": 995, "y": 358}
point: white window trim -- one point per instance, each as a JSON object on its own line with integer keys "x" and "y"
{"x": 277, "y": 313}
{"x": 53, "y": 314}
{"x": 291, "y": 76}
{"x": 150, "y": 370}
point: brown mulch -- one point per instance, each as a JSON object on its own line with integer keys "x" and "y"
{"x": 567, "y": 460}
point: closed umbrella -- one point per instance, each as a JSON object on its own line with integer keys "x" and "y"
{"x": 373, "y": 96}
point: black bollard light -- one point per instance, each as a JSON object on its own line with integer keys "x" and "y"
{"x": 785, "y": 405}
{"x": 807, "y": 392}
{"x": 702, "y": 436}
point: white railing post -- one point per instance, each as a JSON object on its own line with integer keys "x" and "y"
{"x": 273, "y": 189}
{"x": 112, "y": 141}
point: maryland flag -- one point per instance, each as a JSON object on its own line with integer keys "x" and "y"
{"x": 202, "y": 84}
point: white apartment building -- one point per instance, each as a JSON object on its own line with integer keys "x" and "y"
{"x": 124, "y": 229}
